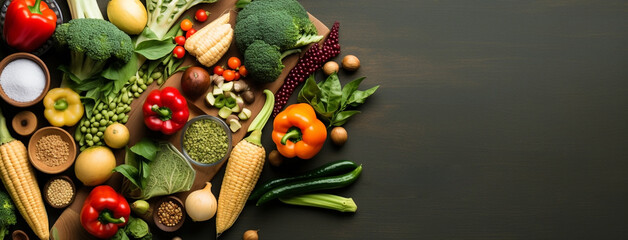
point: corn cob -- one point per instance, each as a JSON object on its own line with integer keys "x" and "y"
{"x": 18, "y": 178}
{"x": 211, "y": 42}
{"x": 242, "y": 172}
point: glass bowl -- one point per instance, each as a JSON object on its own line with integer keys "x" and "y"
{"x": 225, "y": 128}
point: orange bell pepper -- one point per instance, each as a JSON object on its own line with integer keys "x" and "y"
{"x": 298, "y": 133}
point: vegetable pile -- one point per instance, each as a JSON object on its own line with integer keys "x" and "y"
{"x": 131, "y": 55}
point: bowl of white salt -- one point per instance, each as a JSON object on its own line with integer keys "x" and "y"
{"x": 24, "y": 79}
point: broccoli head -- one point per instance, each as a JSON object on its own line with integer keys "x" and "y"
{"x": 263, "y": 61}
{"x": 7, "y": 214}
{"x": 93, "y": 43}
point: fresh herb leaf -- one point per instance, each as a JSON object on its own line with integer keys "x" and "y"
{"x": 349, "y": 89}
{"x": 331, "y": 93}
{"x": 130, "y": 172}
{"x": 121, "y": 74}
{"x": 155, "y": 49}
{"x": 309, "y": 92}
{"x": 342, "y": 117}
{"x": 358, "y": 97}
{"x": 146, "y": 148}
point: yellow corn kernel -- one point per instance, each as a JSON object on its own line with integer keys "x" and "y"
{"x": 193, "y": 41}
{"x": 243, "y": 169}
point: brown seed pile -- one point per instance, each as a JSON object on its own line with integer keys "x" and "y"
{"x": 52, "y": 150}
{"x": 59, "y": 192}
{"x": 169, "y": 213}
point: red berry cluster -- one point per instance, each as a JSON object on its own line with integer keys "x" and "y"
{"x": 312, "y": 60}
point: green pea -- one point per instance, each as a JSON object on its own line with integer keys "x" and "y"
{"x": 103, "y": 122}
{"x": 125, "y": 119}
{"x": 93, "y": 130}
{"x": 123, "y": 91}
{"x": 127, "y": 109}
{"x": 111, "y": 113}
{"x": 88, "y": 136}
{"x": 120, "y": 110}
{"x": 98, "y": 117}
{"x": 99, "y": 134}
{"x": 132, "y": 79}
{"x": 121, "y": 115}
{"x": 112, "y": 105}
{"x": 83, "y": 129}
{"x": 92, "y": 120}
{"x": 160, "y": 81}
{"x": 134, "y": 88}
{"x": 102, "y": 129}
{"x": 96, "y": 124}
{"x": 82, "y": 148}
{"x": 85, "y": 122}
{"x": 125, "y": 98}
{"x": 140, "y": 81}
{"x": 96, "y": 139}
{"x": 114, "y": 118}
{"x": 156, "y": 75}
{"x": 128, "y": 102}
{"x": 143, "y": 87}
{"x": 140, "y": 73}
{"x": 149, "y": 81}
{"x": 140, "y": 90}
{"x": 90, "y": 143}
{"x": 136, "y": 94}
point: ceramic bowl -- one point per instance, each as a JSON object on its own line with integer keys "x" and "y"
{"x": 162, "y": 226}
{"x": 40, "y": 165}
{"x": 39, "y": 62}
{"x": 46, "y": 188}
{"x": 224, "y": 127}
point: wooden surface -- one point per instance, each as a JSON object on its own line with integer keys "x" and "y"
{"x": 494, "y": 120}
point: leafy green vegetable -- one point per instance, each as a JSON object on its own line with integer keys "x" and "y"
{"x": 330, "y": 100}
{"x": 169, "y": 173}
{"x": 7, "y": 214}
{"x": 136, "y": 168}
{"x": 136, "y": 228}
{"x": 146, "y": 148}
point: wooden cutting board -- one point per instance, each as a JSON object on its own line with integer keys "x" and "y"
{"x": 68, "y": 225}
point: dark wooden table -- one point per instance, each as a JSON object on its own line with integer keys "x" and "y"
{"x": 494, "y": 120}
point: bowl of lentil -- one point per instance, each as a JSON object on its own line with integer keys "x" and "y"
{"x": 24, "y": 79}
{"x": 169, "y": 214}
{"x": 51, "y": 150}
{"x": 206, "y": 140}
{"x": 59, "y": 192}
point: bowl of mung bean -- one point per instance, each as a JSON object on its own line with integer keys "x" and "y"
{"x": 206, "y": 140}
{"x": 169, "y": 214}
{"x": 59, "y": 192}
{"x": 51, "y": 150}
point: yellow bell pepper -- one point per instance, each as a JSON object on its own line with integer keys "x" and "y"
{"x": 62, "y": 106}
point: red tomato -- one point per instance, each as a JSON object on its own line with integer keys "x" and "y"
{"x": 178, "y": 52}
{"x": 236, "y": 75}
{"x": 190, "y": 33}
{"x": 186, "y": 25}
{"x": 233, "y": 62}
{"x": 201, "y": 15}
{"x": 242, "y": 70}
{"x": 228, "y": 74}
{"x": 218, "y": 70}
{"x": 179, "y": 40}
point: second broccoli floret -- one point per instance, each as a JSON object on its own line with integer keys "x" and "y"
{"x": 7, "y": 214}
{"x": 264, "y": 61}
{"x": 93, "y": 43}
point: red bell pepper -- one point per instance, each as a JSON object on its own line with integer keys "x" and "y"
{"x": 28, "y": 24}
{"x": 104, "y": 211}
{"x": 165, "y": 110}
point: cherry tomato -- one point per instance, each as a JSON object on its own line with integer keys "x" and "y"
{"x": 178, "y": 52}
{"x": 236, "y": 75}
{"x": 186, "y": 25}
{"x": 190, "y": 33}
{"x": 233, "y": 62}
{"x": 218, "y": 70}
{"x": 179, "y": 40}
{"x": 242, "y": 70}
{"x": 201, "y": 15}
{"x": 228, "y": 74}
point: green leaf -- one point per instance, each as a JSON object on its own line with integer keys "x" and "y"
{"x": 331, "y": 93}
{"x": 155, "y": 49}
{"x": 121, "y": 74}
{"x": 242, "y": 3}
{"x": 89, "y": 104}
{"x": 349, "y": 89}
{"x": 146, "y": 148}
{"x": 69, "y": 74}
{"x": 148, "y": 33}
{"x": 128, "y": 171}
{"x": 358, "y": 97}
{"x": 342, "y": 117}
{"x": 309, "y": 92}
{"x": 88, "y": 85}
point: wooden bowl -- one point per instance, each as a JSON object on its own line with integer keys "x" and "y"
{"x": 24, "y": 123}
{"x": 163, "y": 227}
{"x": 39, "y": 62}
{"x": 40, "y": 165}
{"x": 19, "y": 235}
{"x": 46, "y": 187}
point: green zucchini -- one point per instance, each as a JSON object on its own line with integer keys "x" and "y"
{"x": 311, "y": 185}
{"x": 330, "y": 169}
